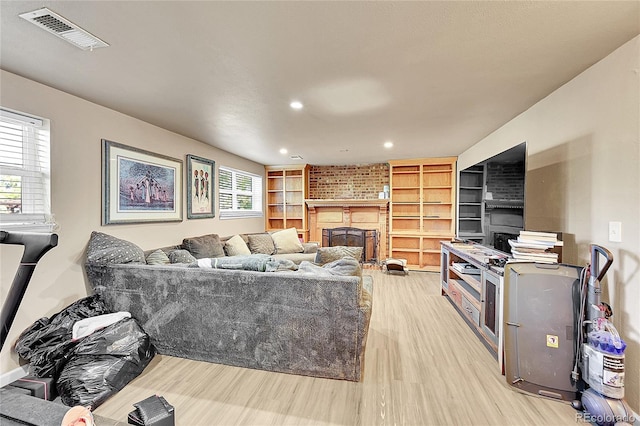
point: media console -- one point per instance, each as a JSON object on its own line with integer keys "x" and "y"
{"x": 470, "y": 277}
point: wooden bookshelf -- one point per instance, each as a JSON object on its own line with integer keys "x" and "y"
{"x": 287, "y": 188}
{"x": 422, "y": 209}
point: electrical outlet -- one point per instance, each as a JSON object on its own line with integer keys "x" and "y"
{"x": 615, "y": 232}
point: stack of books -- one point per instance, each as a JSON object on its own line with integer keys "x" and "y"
{"x": 534, "y": 246}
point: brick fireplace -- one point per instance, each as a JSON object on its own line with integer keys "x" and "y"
{"x": 349, "y": 213}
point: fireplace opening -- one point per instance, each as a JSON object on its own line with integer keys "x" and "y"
{"x": 353, "y": 237}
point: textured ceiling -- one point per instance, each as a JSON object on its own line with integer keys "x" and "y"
{"x": 433, "y": 77}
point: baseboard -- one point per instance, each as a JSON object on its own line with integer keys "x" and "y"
{"x": 13, "y": 375}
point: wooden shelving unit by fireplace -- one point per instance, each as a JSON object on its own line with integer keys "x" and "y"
{"x": 287, "y": 188}
{"x": 422, "y": 209}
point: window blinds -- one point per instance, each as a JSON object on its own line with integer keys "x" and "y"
{"x": 24, "y": 169}
{"x": 240, "y": 193}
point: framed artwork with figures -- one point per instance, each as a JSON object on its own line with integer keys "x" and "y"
{"x": 200, "y": 187}
{"x": 139, "y": 186}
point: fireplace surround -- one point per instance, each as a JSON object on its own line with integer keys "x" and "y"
{"x": 353, "y": 237}
{"x": 369, "y": 214}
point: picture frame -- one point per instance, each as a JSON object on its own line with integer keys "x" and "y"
{"x": 201, "y": 174}
{"x": 139, "y": 186}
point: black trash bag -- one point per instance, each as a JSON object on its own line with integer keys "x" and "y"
{"x": 104, "y": 362}
{"x": 47, "y": 343}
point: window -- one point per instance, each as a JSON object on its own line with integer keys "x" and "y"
{"x": 240, "y": 194}
{"x": 25, "y": 200}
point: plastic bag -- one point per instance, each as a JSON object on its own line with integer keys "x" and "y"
{"x": 104, "y": 362}
{"x": 47, "y": 343}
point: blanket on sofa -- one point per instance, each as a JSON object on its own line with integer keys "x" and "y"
{"x": 251, "y": 262}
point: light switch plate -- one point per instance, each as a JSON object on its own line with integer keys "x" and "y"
{"x": 615, "y": 232}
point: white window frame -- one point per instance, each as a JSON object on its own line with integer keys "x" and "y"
{"x": 36, "y": 203}
{"x": 256, "y": 194}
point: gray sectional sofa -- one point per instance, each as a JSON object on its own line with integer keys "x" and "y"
{"x": 310, "y": 321}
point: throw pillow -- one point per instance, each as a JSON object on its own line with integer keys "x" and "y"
{"x": 181, "y": 256}
{"x": 329, "y": 254}
{"x": 261, "y": 243}
{"x": 204, "y": 246}
{"x": 104, "y": 249}
{"x": 235, "y": 246}
{"x": 158, "y": 257}
{"x": 286, "y": 241}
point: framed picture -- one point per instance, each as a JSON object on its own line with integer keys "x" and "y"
{"x": 200, "y": 183}
{"x": 139, "y": 186}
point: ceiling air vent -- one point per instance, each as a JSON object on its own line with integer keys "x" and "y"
{"x": 63, "y": 28}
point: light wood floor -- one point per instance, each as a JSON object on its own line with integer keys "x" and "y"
{"x": 423, "y": 366}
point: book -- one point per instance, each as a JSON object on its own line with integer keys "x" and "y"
{"x": 529, "y": 243}
{"x": 544, "y": 257}
{"x": 543, "y": 236}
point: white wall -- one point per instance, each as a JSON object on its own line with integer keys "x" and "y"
{"x": 583, "y": 171}
{"x": 77, "y": 127}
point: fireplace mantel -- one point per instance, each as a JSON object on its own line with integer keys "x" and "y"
{"x": 346, "y": 202}
{"x": 337, "y": 213}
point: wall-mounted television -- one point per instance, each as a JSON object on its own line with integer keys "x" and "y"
{"x": 491, "y": 196}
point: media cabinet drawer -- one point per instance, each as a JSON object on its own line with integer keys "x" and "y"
{"x": 454, "y": 292}
{"x": 470, "y": 311}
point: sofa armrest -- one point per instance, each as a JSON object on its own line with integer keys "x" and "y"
{"x": 310, "y": 247}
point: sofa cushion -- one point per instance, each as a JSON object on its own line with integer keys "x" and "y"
{"x": 261, "y": 244}
{"x": 329, "y": 254}
{"x": 236, "y": 246}
{"x": 204, "y": 246}
{"x": 181, "y": 256}
{"x": 104, "y": 249}
{"x": 286, "y": 241}
{"x": 158, "y": 257}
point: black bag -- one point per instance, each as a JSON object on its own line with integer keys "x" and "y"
{"x": 104, "y": 362}
{"x": 47, "y": 343}
{"x": 153, "y": 411}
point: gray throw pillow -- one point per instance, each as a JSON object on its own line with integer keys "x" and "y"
{"x": 329, "y": 254}
{"x": 204, "y": 246}
{"x": 158, "y": 257}
{"x": 261, "y": 243}
{"x": 104, "y": 249}
{"x": 181, "y": 256}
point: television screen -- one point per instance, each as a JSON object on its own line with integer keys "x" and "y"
{"x": 491, "y": 199}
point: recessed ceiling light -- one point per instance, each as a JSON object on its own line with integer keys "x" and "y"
{"x": 296, "y": 105}
{"x": 283, "y": 150}
{"x": 388, "y": 144}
